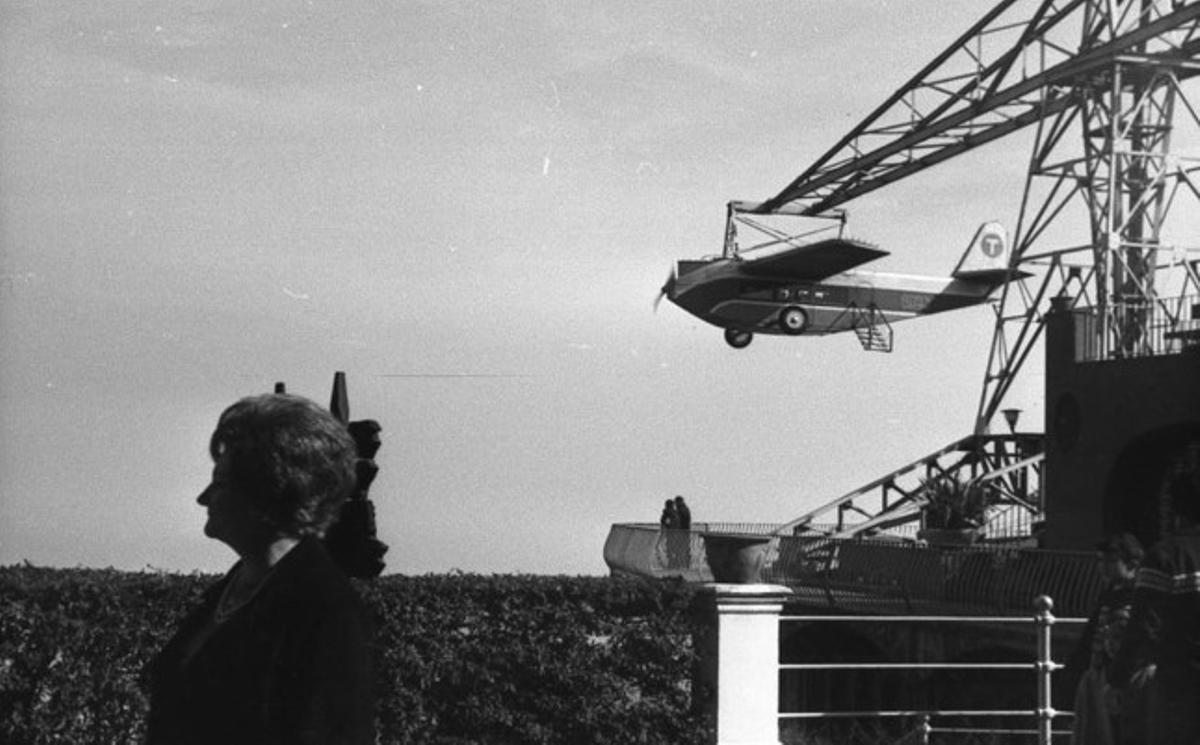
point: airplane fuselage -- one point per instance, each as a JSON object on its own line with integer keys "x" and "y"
{"x": 720, "y": 292}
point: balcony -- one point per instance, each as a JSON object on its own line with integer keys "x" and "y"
{"x": 874, "y": 575}
{"x": 1137, "y": 329}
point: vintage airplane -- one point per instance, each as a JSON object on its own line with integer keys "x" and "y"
{"x": 812, "y": 288}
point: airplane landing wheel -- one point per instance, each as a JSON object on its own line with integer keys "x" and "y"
{"x": 737, "y": 338}
{"x": 793, "y": 320}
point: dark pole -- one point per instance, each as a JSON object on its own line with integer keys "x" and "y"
{"x": 339, "y": 400}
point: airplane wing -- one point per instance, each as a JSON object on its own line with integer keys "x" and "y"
{"x": 814, "y": 261}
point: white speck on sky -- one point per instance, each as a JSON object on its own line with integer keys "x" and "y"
{"x": 200, "y": 199}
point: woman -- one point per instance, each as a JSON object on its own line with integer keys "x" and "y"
{"x": 1098, "y": 714}
{"x": 277, "y": 651}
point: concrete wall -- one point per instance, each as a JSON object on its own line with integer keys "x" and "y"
{"x": 1108, "y": 424}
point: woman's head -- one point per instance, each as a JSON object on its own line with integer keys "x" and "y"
{"x": 287, "y": 462}
{"x": 1121, "y": 555}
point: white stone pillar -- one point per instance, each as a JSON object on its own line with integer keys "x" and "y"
{"x": 748, "y": 662}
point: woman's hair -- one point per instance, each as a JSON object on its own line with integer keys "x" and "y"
{"x": 1123, "y": 546}
{"x": 292, "y": 459}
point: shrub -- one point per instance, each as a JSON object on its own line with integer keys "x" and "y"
{"x": 460, "y": 658}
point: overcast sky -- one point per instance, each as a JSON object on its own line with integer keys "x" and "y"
{"x": 469, "y": 208}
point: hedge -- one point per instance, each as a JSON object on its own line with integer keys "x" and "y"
{"x": 460, "y": 658}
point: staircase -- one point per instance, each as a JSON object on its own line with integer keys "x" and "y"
{"x": 1009, "y": 464}
{"x": 873, "y": 330}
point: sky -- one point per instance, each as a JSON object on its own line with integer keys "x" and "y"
{"x": 468, "y": 208}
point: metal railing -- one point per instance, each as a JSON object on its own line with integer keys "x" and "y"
{"x": 875, "y": 575}
{"x": 904, "y": 577}
{"x": 929, "y": 722}
{"x": 1010, "y": 464}
{"x": 1124, "y": 330}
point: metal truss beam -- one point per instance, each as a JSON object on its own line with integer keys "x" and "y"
{"x": 964, "y": 98}
{"x": 1132, "y": 183}
{"x": 1102, "y": 83}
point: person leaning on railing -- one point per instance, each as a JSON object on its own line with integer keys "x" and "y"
{"x": 1162, "y": 647}
{"x": 277, "y": 651}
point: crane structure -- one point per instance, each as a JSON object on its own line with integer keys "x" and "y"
{"x": 1101, "y": 85}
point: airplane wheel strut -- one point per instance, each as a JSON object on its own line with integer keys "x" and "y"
{"x": 737, "y": 338}
{"x": 793, "y": 320}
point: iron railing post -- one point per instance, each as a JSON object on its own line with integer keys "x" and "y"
{"x": 961, "y": 721}
{"x": 1044, "y": 618}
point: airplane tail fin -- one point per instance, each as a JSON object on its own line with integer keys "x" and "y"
{"x": 986, "y": 258}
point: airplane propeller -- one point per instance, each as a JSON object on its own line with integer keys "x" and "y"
{"x": 666, "y": 289}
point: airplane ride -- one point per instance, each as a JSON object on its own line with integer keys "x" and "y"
{"x": 813, "y": 288}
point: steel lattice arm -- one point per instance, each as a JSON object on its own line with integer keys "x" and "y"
{"x": 964, "y": 99}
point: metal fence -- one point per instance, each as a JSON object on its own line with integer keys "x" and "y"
{"x": 906, "y": 577}
{"x": 928, "y": 724}
{"x": 1123, "y": 330}
{"x": 877, "y": 574}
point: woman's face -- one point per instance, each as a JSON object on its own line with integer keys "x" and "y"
{"x": 230, "y": 517}
{"x": 1117, "y": 569}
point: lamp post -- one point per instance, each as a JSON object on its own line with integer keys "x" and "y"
{"x": 1011, "y": 416}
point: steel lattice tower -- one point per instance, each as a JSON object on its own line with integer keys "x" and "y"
{"x": 1102, "y": 83}
{"x": 1135, "y": 187}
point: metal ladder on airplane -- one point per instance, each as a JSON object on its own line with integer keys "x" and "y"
{"x": 872, "y": 329}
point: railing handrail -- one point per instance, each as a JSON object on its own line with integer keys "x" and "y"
{"x": 1139, "y": 329}
{"x": 877, "y": 483}
{"x": 894, "y": 618}
{"x": 986, "y": 457}
{"x": 1043, "y": 663}
{"x": 875, "y": 575}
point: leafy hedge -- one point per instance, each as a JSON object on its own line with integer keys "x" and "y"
{"x": 461, "y": 658}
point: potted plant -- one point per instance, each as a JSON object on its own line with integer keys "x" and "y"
{"x": 736, "y": 557}
{"x": 955, "y": 510}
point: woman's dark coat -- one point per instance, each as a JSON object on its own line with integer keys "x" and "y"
{"x": 290, "y": 666}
